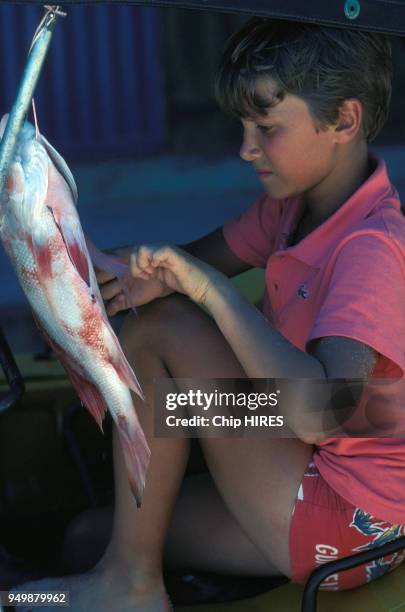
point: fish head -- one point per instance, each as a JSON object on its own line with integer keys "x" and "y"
{"x": 25, "y": 144}
{"x": 24, "y": 196}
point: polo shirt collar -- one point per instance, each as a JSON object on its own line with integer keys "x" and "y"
{"x": 314, "y": 247}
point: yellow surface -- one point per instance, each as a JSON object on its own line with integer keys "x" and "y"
{"x": 251, "y": 284}
{"x": 386, "y": 594}
{"x": 39, "y": 375}
{"x": 32, "y": 368}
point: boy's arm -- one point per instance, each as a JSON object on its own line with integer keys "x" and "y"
{"x": 264, "y": 352}
{"x": 214, "y": 250}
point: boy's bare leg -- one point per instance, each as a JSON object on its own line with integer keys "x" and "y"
{"x": 257, "y": 481}
{"x": 249, "y": 532}
{"x": 156, "y": 348}
{"x": 199, "y": 511}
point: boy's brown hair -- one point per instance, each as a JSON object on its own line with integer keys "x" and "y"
{"x": 322, "y": 65}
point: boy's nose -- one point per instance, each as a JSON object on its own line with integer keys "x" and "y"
{"x": 249, "y": 150}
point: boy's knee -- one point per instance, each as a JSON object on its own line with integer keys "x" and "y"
{"x": 166, "y": 309}
{"x": 156, "y": 321}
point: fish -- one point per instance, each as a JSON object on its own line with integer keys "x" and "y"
{"x": 42, "y": 235}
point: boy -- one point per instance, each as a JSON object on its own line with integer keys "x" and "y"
{"x": 330, "y": 234}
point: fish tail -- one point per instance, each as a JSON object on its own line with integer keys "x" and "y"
{"x": 136, "y": 455}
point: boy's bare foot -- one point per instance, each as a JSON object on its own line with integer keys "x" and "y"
{"x": 100, "y": 590}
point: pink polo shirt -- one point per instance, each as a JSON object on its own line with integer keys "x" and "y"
{"x": 346, "y": 278}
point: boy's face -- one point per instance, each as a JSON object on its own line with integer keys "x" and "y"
{"x": 289, "y": 154}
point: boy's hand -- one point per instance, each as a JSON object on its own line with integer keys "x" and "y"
{"x": 141, "y": 291}
{"x": 174, "y": 269}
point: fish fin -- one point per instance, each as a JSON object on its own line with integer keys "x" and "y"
{"x": 136, "y": 454}
{"x": 72, "y": 235}
{"x": 36, "y": 187}
{"x": 87, "y": 391}
{"x": 61, "y": 166}
{"x": 114, "y": 265}
{"x": 61, "y": 205}
{"x": 117, "y": 357}
{"x": 119, "y": 361}
{"x": 124, "y": 370}
{"x": 109, "y": 263}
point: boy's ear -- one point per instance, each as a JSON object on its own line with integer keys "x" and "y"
{"x": 350, "y": 120}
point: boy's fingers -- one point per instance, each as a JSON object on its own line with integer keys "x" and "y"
{"x": 145, "y": 259}
{"x": 102, "y": 276}
{"x": 140, "y": 267}
{"x": 140, "y": 260}
{"x": 122, "y": 254}
{"x": 110, "y": 290}
{"x": 116, "y": 305}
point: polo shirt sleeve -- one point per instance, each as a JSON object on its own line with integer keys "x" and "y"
{"x": 366, "y": 297}
{"x": 252, "y": 235}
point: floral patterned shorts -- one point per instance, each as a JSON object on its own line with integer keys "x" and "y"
{"x": 325, "y": 527}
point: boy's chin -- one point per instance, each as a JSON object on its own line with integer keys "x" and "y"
{"x": 277, "y": 194}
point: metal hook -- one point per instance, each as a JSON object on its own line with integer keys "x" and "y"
{"x": 52, "y": 11}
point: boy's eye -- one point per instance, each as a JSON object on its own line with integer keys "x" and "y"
{"x": 264, "y": 128}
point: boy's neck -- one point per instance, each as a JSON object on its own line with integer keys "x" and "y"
{"x": 345, "y": 178}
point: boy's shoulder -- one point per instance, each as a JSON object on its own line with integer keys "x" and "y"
{"x": 384, "y": 226}
{"x": 386, "y": 219}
